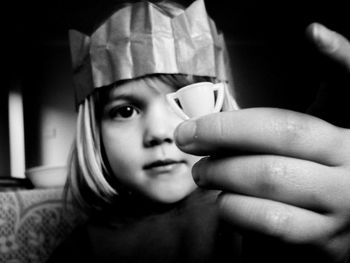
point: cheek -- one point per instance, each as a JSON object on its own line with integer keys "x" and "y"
{"x": 122, "y": 149}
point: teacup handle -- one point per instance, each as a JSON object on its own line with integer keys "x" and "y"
{"x": 219, "y": 87}
{"x": 171, "y": 99}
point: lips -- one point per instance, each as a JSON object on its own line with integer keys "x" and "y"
{"x": 159, "y": 164}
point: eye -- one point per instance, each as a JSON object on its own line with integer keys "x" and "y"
{"x": 124, "y": 112}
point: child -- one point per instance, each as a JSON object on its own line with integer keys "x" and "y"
{"x": 126, "y": 171}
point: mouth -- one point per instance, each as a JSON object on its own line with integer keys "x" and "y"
{"x": 165, "y": 165}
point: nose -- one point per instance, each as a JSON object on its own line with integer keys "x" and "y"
{"x": 160, "y": 124}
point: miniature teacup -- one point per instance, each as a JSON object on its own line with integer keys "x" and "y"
{"x": 197, "y": 99}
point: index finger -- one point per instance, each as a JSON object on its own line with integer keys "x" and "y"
{"x": 331, "y": 102}
{"x": 264, "y": 130}
{"x": 330, "y": 43}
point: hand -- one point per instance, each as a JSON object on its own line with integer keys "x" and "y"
{"x": 283, "y": 174}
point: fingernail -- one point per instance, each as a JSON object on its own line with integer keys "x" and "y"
{"x": 195, "y": 173}
{"x": 325, "y": 38}
{"x": 197, "y": 170}
{"x": 185, "y": 133}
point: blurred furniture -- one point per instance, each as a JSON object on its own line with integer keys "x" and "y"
{"x": 47, "y": 176}
{"x": 11, "y": 183}
{"x": 32, "y": 223}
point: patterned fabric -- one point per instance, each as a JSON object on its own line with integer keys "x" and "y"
{"x": 32, "y": 224}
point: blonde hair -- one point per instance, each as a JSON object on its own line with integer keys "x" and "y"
{"x": 90, "y": 183}
{"x": 87, "y": 182}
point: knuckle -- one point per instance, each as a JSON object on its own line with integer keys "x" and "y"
{"x": 291, "y": 129}
{"x": 220, "y": 126}
{"x": 294, "y": 129}
{"x": 277, "y": 223}
{"x": 223, "y": 128}
{"x": 272, "y": 173}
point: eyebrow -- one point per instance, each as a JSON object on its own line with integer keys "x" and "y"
{"x": 122, "y": 96}
{"x": 127, "y": 96}
{"x": 119, "y": 93}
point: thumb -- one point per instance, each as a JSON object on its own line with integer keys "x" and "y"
{"x": 331, "y": 103}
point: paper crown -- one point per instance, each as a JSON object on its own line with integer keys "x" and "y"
{"x": 142, "y": 39}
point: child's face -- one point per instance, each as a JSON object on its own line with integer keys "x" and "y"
{"x": 137, "y": 131}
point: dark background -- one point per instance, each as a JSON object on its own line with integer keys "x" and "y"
{"x": 272, "y": 61}
{"x": 269, "y": 51}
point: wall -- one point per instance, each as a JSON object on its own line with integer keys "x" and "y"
{"x": 265, "y": 75}
{"x": 49, "y": 110}
{"x": 4, "y": 134}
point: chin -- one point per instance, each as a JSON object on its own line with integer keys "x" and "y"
{"x": 168, "y": 196}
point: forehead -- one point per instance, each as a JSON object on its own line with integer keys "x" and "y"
{"x": 140, "y": 87}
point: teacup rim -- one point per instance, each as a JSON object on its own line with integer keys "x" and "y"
{"x": 194, "y": 84}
